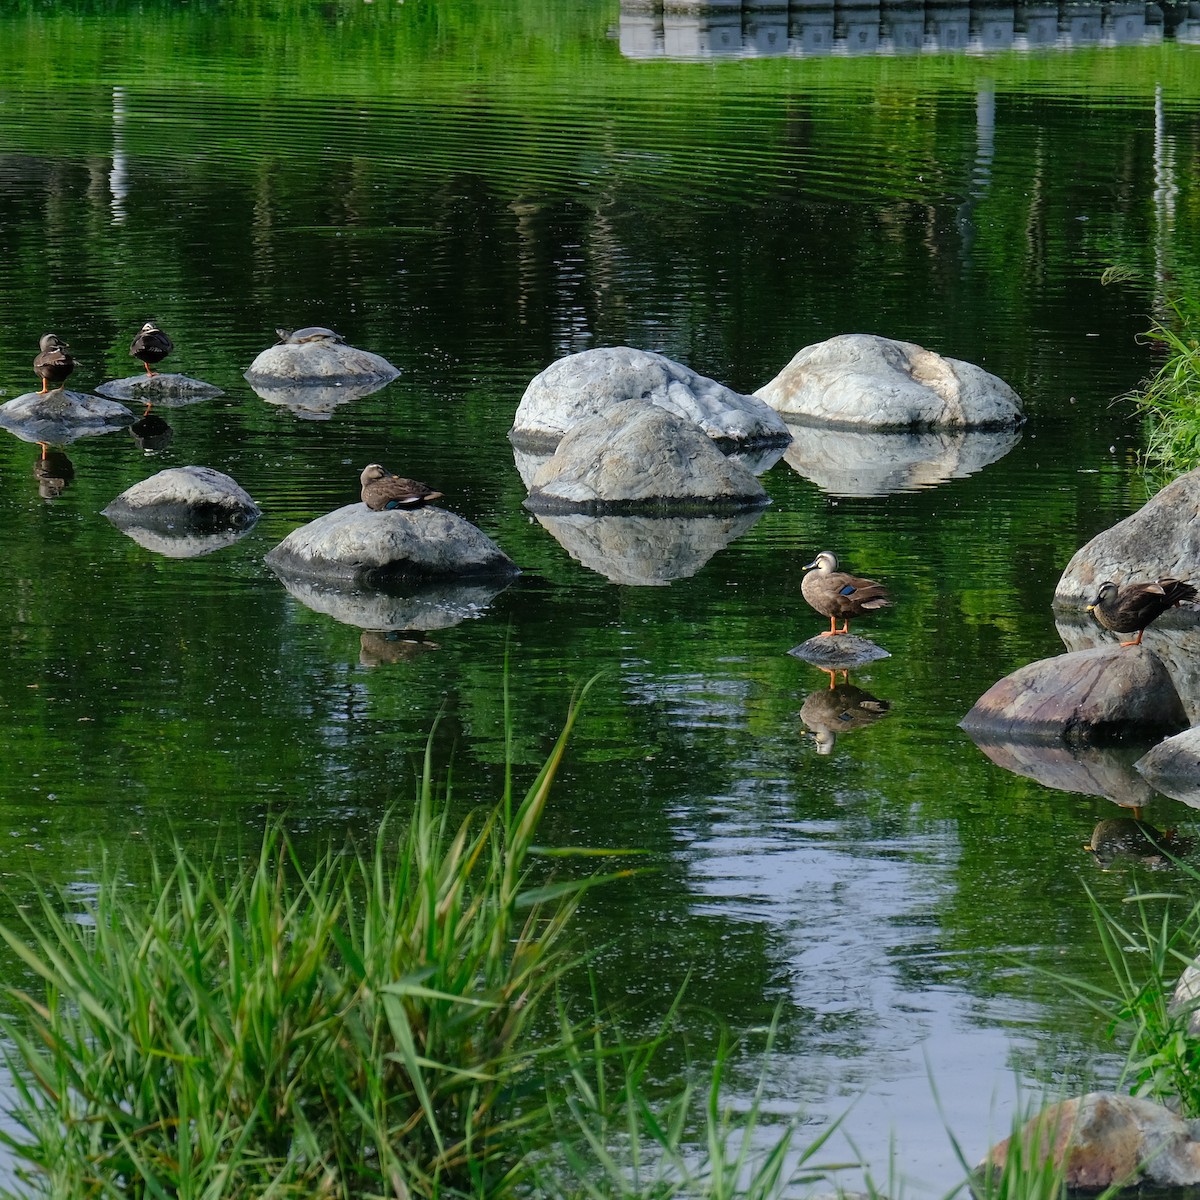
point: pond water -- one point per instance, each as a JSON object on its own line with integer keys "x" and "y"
{"x": 474, "y": 190}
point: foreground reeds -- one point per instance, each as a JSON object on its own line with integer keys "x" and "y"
{"x": 1170, "y": 400}
{"x": 387, "y": 1024}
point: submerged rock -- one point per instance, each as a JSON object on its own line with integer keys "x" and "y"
{"x": 587, "y": 384}
{"x": 1104, "y": 1140}
{"x": 1161, "y": 539}
{"x": 167, "y": 390}
{"x": 636, "y": 457}
{"x": 323, "y": 361}
{"x": 1090, "y": 696}
{"x": 184, "y": 500}
{"x": 59, "y": 416}
{"x": 862, "y": 381}
{"x": 357, "y": 548}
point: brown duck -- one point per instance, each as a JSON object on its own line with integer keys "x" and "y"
{"x": 382, "y": 490}
{"x": 53, "y": 364}
{"x": 838, "y": 594}
{"x": 150, "y": 345}
{"x": 1131, "y": 608}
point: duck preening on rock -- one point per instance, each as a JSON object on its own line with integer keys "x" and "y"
{"x": 1131, "y": 608}
{"x": 53, "y": 364}
{"x": 151, "y": 345}
{"x": 837, "y": 594}
{"x": 383, "y": 490}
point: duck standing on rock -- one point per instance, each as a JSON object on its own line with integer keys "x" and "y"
{"x": 382, "y": 490}
{"x": 1133, "y": 607}
{"x": 150, "y": 345}
{"x": 838, "y": 594}
{"x": 53, "y": 364}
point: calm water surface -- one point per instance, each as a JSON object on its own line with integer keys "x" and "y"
{"x": 473, "y": 192}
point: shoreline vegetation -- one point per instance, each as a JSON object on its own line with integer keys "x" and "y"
{"x": 1169, "y": 401}
{"x": 393, "y": 1024}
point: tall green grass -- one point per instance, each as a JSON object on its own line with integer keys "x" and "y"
{"x": 1170, "y": 400}
{"x": 382, "y": 1024}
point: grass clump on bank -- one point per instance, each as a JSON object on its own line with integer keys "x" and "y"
{"x": 379, "y": 1025}
{"x": 1170, "y": 400}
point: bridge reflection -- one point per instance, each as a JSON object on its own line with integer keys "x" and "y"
{"x": 687, "y": 29}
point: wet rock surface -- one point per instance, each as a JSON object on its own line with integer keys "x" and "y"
{"x": 166, "y": 389}
{"x": 319, "y": 362}
{"x": 843, "y": 652}
{"x": 355, "y": 547}
{"x": 863, "y": 381}
{"x": 1088, "y": 696}
{"x": 1104, "y": 1139}
{"x": 184, "y": 499}
{"x": 60, "y": 416}
{"x": 637, "y": 457}
{"x": 584, "y": 385}
{"x": 1161, "y": 539}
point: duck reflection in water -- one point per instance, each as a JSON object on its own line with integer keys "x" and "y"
{"x": 151, "y": 432}
{"x": 376, "y": 648}
{"x": 53, "y": 471}
{"x": 840, "y": 708}
{"x": 1133, "y": 840}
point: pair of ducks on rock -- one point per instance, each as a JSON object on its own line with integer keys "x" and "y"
{"x": 1130, "y": 609}
{"x": 54, "y": 362}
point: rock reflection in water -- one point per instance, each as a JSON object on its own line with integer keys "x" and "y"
{"x": 53, "y": 471}
{"x": 182, "y": 543}
{"x": 645, "y": 551}
{"x": 844, "y": 463}
{"x": 1105, "y": 771}
{"x": 1176, "y": 645}
{"x": 1126, "y": 838}
{"x": 316, "y": 402}
{"x": 426, "y": 606}
{"x": 838, "y": 709}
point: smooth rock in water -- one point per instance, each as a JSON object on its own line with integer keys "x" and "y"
{"x": 638, "y": 457}
{"x": 589, "y": 383}
{"x": 645, "y": 551}
{"x": 1105, "y": 1139}
{"x": 59, "y": 416}
{"x": 1173, "y": 767}
{"x": 1178, "y": 649}
{"x": 1106, "y": 771}
{"x": 322, "y": 362}
{"x": 844, "y": 462}
{"x": 1160, "y": 540}
{"x": 168, "y": 390}
{"x": 357, "y": 548}
{"x": 1088, "y": 697}
{"x": 841, "y": 652}
{"x": 1185, "y": 1000}
{"x": 862, "y": 381}
{"x": 423, "y": 607}
{"x": 184, "y": 499}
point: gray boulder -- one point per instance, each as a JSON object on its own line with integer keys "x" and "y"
{"x": 1088, "y": 697}
{"x": 1106, "y": 1140}
{"x": 843, "y": 462}
{"x": 59, "y": 416}
{"x": 638, "y": 457}
{"x": 325, "y": 362}
{"x": 589, "y": 383}
{"x": 1161, "y": 539}
{"x": 645, "y": 551}
{"x": 166, "y": 390}
{"x": 841, "y": 653}
{"x": 184, "y": 500}
{"x": 862, "y": 381}
{"x": 1173, "y": 767}
{"x": 355, "y": 547}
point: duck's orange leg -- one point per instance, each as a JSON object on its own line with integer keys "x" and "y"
{"x": 147, "y": 366}
{"x": 1137, "y": 641}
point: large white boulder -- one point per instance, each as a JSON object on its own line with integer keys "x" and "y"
{"x": 862, "y": 381}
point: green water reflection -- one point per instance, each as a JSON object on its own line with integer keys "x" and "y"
{"x": 474, "y": 190}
